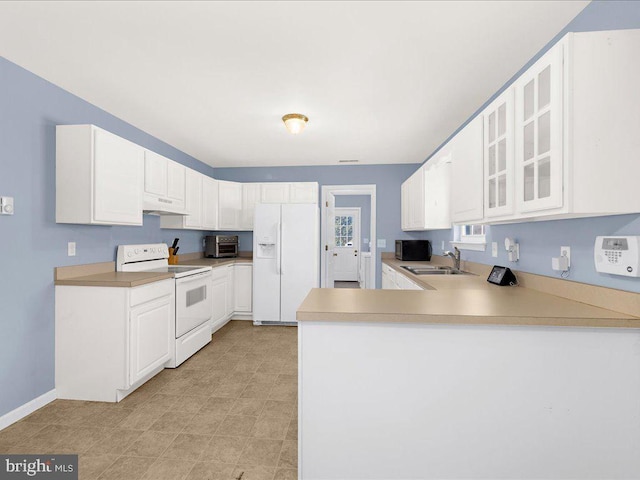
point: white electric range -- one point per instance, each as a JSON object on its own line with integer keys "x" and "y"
{"x": 193, "y": 299}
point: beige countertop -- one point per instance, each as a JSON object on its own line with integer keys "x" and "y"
{"x": 104, "y": 274}
{"x": 215, "y": 262}
{"x": 456, "y": 299}
{"x": 114, "y": 279}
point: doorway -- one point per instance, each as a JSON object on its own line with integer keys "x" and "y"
{"x": 346, "y": 263}
{"x": 341, "y": 253}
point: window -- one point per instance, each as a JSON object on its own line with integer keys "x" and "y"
{"x": 470, "y": 237}
{"x": 472, "y": 233}
{"x": 344, "y": 230}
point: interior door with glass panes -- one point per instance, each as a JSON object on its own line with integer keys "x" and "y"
{"x": 538, "y": 123}
{"x": 498, "y": 156}
{"x": 347, "y": 244}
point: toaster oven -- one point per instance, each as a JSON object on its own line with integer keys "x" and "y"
{"x": 219, "y": 246}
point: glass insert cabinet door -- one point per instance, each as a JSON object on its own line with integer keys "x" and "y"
{"x": 498, "y": 156}
{"x": 538, "y": 125}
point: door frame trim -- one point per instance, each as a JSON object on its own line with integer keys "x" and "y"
{"x": 347, "y": 190}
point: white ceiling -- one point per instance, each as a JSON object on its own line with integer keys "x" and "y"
{"x": 381, "y": 82}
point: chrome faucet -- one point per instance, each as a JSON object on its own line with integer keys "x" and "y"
{"x": 455, "y": 256}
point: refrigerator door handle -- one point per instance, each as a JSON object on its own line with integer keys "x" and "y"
{"x": 278, "y": 241}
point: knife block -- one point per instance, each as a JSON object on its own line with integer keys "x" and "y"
{"x": 173, "y": 259}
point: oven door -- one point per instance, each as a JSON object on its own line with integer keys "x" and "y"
{"x": 226, "y": 250}
{"x": 194, "y": 302}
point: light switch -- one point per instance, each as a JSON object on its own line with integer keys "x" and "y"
{"x": 71, "y": 249}
{"x": 6, "y": 205}
{"x": 494, "y": 249}
{"x": 382, "y": 243}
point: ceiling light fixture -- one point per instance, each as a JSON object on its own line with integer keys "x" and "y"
{"x": 295, "y": 122}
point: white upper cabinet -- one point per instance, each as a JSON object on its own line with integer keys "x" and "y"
{"x": 575, "y": 133}
{"x": 303, "y": 192}
{"x": 412, "y": 201}
{"x": 99, "y": 177}
{"x": 538, "y": 133}
{"x": 404, "y": 205}
{"x": 193, "y": 199}
{"x": 603, "y": 122}
{"x": 176, "y": 181}
{"x": 193, "y": 218}
{"x": 164, "y": 184}
{"x": 437, "y": 194}
{"x": 210, "y": 196}
{"x": 250, "y": 198}
{"x": 467, "y": 168}
{"x": 425, "y": 195}
{"x": 229, "y": 205}
{"x": 277, "y": 192}
{"x": 498, "y": 157}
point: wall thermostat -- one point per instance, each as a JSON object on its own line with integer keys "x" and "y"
{"x": 617, "y": 255}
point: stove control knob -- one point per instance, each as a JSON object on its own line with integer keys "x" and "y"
{"x": 136, "y": 251}
{"x": 130, "y": 254}
{"x": 153, "y": 250}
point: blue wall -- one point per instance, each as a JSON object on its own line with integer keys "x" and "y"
{"x": 32, "y": 243}
{"x": 387, "y": 178}
{"x": 364, "y": 203}
{"x": 539, "y": 241}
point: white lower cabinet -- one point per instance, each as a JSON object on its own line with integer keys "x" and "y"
{"x": 388, "y": 278}
{"x": 219, "y": 294}
{"x": 231, "y": 291}
{"x": 230, "y": 300}
{"x": 243, "y": 280}
{"x": 394, "y": 280}
{"x": 110, "y": 340}
{"x": 150, "y": 336}
{"x": 403, "y": 283}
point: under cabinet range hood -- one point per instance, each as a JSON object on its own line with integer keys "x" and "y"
{"x": 164, "y": 185}
{"x": 154, "y": 205}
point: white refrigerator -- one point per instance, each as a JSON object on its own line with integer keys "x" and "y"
{"x": 286, "y": 254}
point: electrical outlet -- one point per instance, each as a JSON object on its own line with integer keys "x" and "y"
{"x": 6, "y": 205}
{"x": 494, "y": 249}
{"x": 382, "y": 243}
{"x": 71, "y": 249}
{"x": 443, "y": 247}
{"x": 204, "y": 241}
{"x": 566, "y": 251}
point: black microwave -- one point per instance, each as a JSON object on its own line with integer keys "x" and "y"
{"x": 413, "y": 250}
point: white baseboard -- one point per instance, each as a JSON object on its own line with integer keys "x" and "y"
{"x": 238, "y": 316}
{"x": 23, "y": 410}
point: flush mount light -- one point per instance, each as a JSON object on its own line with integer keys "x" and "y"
{"x": 295, "y": 122}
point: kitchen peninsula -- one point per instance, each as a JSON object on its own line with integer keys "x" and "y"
{"x": 478, "y": 381}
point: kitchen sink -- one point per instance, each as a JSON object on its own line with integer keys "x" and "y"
{"x": 434, "y": 270}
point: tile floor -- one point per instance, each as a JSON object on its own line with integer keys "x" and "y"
{"x": 229, "y": 412}
{"x": 339, "y": 284}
